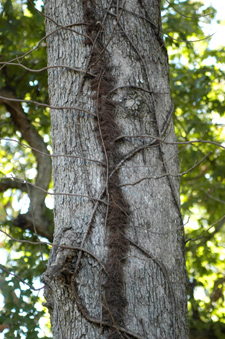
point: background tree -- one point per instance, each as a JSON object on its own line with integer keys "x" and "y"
{"x": 197, "y": 97}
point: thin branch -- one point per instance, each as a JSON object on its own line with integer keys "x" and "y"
{"x": 60, "y": 193}
{"x": 52, "y": 20}
{"x": 45, "y": 68}
{"x": 39, "y": 43}
{"x": 55, "y": 245}
{"x": 135, "y": 14}
{"x": 48, "y": 106}
{"x": 153, "y": 25}
{"x": 211, "y": 197}
{"x": 67, "y": 27}
{"x": 172, "y": 142}
{"x": 131, "y": 154}
{"x": 210, "y": 235}
{"x": 194, "y": 239}
{"x": 8, "y": 183}
{"x": 192, "y": 41}
{"x": 135, "y": 87}
{"x": 18, "y": 277}
{"x": 168, "y": 174}
{"x": 53, "y": 155}
{"x": 188, "y": 17}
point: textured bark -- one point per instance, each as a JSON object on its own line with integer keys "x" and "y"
{"x": 139, "y": 290}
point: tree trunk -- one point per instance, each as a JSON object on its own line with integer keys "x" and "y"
{"x": 120, "y": 184}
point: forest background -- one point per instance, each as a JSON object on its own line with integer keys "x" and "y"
{"x": 197, "y": 87}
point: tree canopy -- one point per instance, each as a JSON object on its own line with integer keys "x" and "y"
{"x": 197, "y": 87}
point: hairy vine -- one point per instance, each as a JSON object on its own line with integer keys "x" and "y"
{"x": 118, "y": 209}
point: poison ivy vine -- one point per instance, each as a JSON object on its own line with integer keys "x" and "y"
{"x": 197, "y": 83}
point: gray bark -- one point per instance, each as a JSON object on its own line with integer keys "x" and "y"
{"x": 152, "y": 261}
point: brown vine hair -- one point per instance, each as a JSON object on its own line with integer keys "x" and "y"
{"x": 118, "y": 211}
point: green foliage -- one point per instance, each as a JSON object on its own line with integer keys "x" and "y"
{"x": 197, "y": 87}
{"x": 26, "y": 261}
{"x": 197, "y": 83}
{"x": 21, "y": 29}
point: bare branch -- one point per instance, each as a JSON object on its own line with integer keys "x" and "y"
{"x": 5, "y": 99}
{"x": 38, "y": 44}
{"x": 135, "y": 87}
{"x": 7, "y": 183}
{"x": 153, "y": 25}
{"x": 168, "y": 174}
{"x": 191, "y": 41}
{"x": 131, "y": 154}
{"x": 60, "y": 193}
{"x": 20, "y": 279}
{"x": 188, "y": 17}
{"x": 54, "y": 155}
{"x": 67, "y": 27}
{"x": 38, "y": 243}
{"x": 211, "y": 197}
{"x": 194, "y": 239}
{"x": 70, "y": 68}
{"x": 135, "y": 14}
{"x": 172, "y": 142}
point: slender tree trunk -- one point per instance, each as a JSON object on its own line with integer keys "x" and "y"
{"x": 121, "y": 201}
